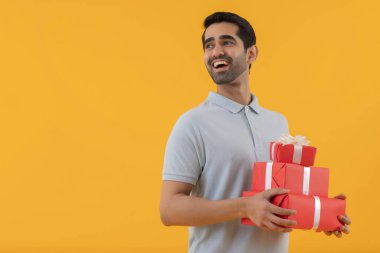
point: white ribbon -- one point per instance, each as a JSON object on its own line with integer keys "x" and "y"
{"x": 306, "y": 181}
{"x": 298, "y": 139}
{"x": 297, "y": 142}
{"x": 297, "y": 153}
{"x": 317, "y": 212}
{"x": 273, "y": 145}
{"x": 268, "y": 176}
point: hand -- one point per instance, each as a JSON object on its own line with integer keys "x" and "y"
{"x": 342, "y": 218}
{"x": 263, "y": 213}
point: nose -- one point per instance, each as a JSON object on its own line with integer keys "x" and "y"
{"x": 217, "y": 51}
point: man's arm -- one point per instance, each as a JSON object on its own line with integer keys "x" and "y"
{"x": 177, "y": 207}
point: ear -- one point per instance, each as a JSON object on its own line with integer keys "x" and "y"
{"x": 252, "y": 53}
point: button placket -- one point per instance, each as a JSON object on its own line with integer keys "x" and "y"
{"x": 259, "y": 148}
{"x": 251, "y": 124}
{"x": 250, "y": 120}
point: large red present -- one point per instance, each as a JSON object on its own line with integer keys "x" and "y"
{"x": 298, "y": 179}
{"x": 313, "y": 212}
{"x": 292, "y": 153}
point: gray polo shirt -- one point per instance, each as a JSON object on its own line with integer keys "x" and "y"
{"x": 213, "y": 146}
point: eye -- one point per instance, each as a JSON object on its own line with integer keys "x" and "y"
{"x": 228, "y": 42}
{"x": 208, "y": 46}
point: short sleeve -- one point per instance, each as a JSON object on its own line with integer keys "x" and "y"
{"x": 184, "y": 153}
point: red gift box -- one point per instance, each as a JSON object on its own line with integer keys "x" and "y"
{"x": 313, "y": 212}
{"x": 298, "y": 179}
{"x": 292, "y": 153}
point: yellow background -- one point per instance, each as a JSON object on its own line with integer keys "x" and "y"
{"x": 90, "y": 90}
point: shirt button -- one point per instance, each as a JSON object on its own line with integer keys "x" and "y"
{"x": 246, "y": 108}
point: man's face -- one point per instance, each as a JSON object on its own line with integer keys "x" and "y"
{"x": 224, "y": 54}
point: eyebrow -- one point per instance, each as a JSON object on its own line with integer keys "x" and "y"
{"x": 224, "y": 36}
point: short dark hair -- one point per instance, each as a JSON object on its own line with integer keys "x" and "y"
{"x": 245, "y": 31}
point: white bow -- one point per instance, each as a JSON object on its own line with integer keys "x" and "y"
{"x": 297, "y": 140}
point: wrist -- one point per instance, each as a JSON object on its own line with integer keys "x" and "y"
{"x": 242, "y": 207}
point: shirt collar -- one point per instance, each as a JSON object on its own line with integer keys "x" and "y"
{"x": 231, "y": 105}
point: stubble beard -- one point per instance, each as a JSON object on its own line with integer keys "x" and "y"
{"x": 236, "y": 68}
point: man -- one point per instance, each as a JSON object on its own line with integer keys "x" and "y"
{"x": 211, "y": 150}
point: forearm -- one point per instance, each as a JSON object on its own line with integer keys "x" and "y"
{"x": 184, "y": 210}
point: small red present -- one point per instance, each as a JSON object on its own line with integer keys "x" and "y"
{"x": 313, "y": 212}
{"x": 297, "y": 178}
{"x": 290, "y": 149}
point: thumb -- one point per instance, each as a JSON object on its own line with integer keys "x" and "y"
{"x": 275, "y": 191}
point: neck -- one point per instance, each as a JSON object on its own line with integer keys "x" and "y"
{"x": 238, "y": 90}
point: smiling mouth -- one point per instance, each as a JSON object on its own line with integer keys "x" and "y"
{"x": 220, "y": 65}
{"x": 220, "y": 68}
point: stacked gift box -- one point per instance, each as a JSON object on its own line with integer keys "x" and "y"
{"x": 293, "y": 168}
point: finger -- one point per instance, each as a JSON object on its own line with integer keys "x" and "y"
{"x": 345, "y": 229}
{"x": 273, "y": 192}
{"x": 337, "y": 233}
{"x": 345, "y": 219}
{"x": 281, "y": 211}
{"x": 282, "y": 222}
{"x": 275, "y": 228}
{"x": 341, "y": 196}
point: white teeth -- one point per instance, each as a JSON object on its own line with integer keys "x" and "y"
{"x": 217, "y": 63}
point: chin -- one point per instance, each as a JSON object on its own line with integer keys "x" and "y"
{"x": 223, "y": 81}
